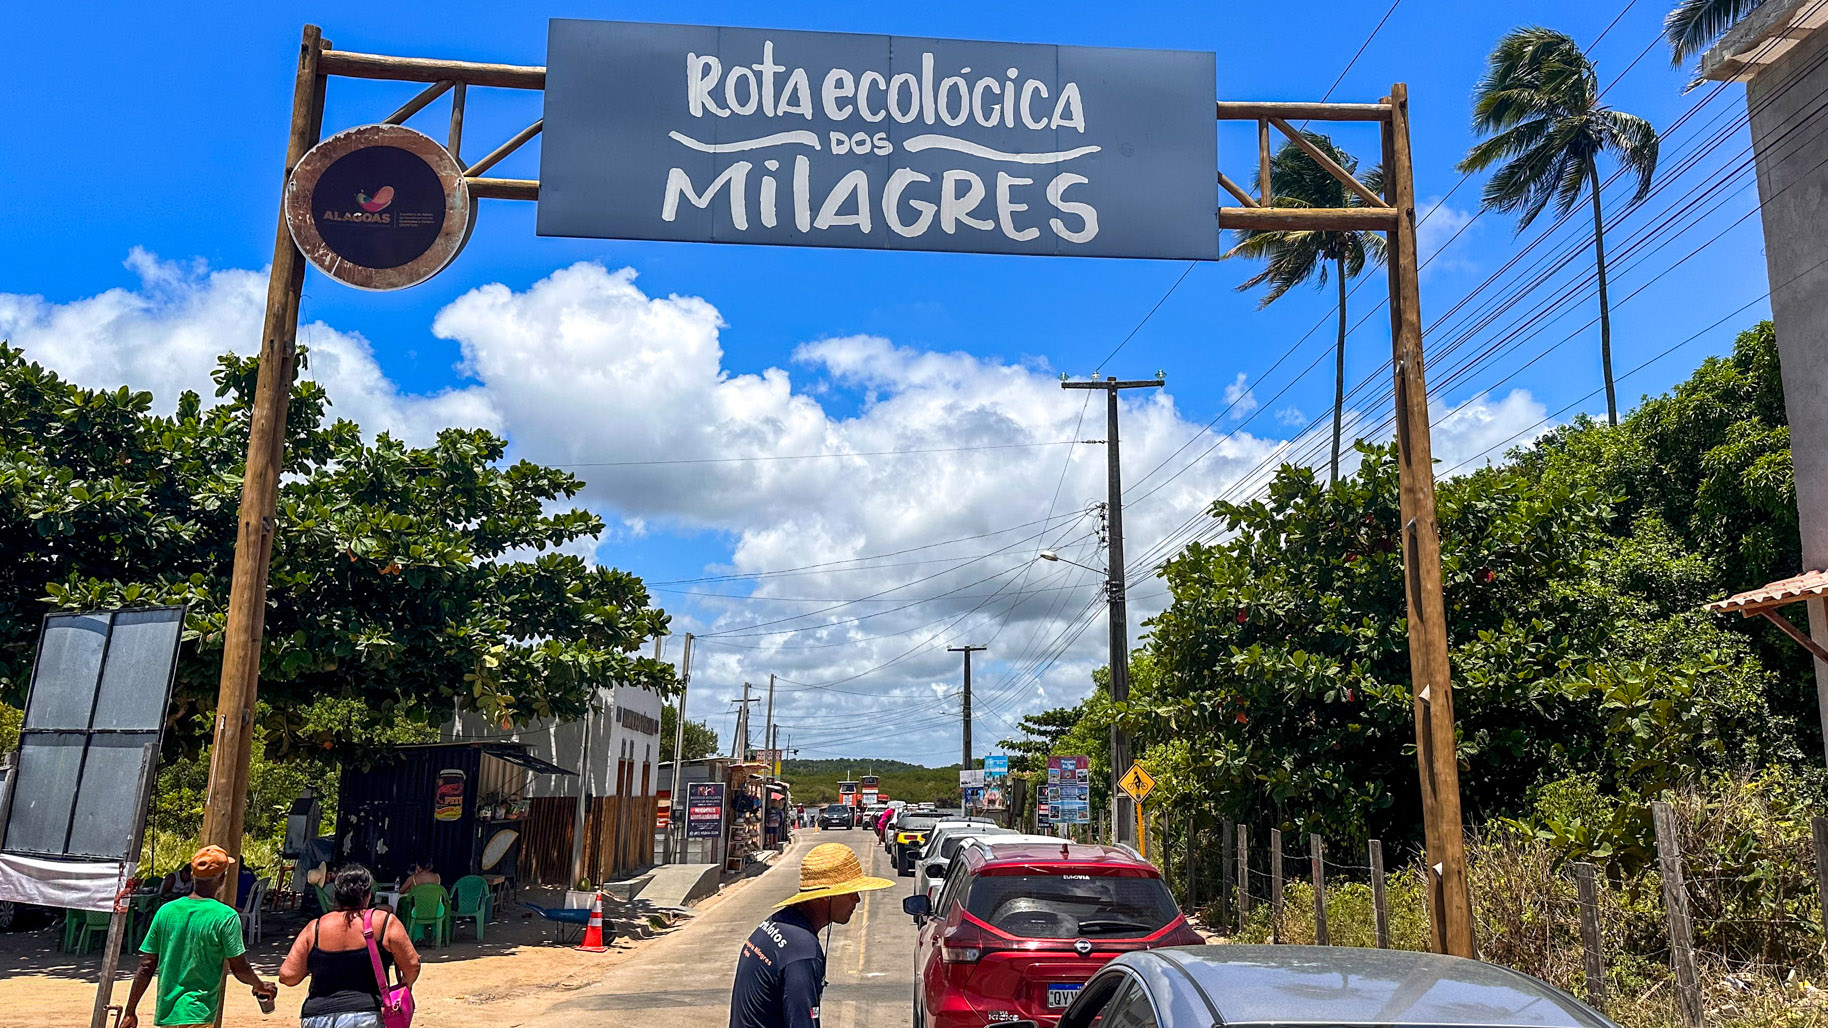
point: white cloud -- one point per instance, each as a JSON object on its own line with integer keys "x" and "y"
{"x": 1239, "y": 397}
{"x": 1291, "y": 416}
{"x": 1439, "y": 239}
{"x": 584, "y": 368}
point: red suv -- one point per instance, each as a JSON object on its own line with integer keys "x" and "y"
{"x": 1020, "y": 925}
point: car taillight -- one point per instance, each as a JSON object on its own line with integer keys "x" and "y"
{"x": 966, "y": 943}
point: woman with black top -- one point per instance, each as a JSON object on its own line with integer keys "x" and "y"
{"x": 333, "y": 954}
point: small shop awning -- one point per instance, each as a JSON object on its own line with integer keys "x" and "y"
{"x": 1764, "y": 601}
{"x": 516, "y": 755}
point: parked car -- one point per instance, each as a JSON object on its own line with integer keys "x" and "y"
{"x": 1020, "y": 926}
{"x": 945, "y": 837}
{"x": 1337, "y": 986}
{"x": 911, "y": 833}
{"x": 836, "y": 816}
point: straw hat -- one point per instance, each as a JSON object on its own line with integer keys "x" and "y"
{"x": 831, "y": 869}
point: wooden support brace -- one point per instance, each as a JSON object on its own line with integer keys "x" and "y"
{"x": 419, "y": 103}
{"x": 1802, "y": 637}
{"x": 1268, "y": 198}
{"x": 504, "y": 188}
{"x": 1327, "y": 163}
{"x": 419, "y": 69}
{"x": 1311, "y": 219}
{"x": 1236, "y": 190}
{"x": 1251, "y": 110}
{"x": 455, "y": 143}
{"x": 499, "y": 153}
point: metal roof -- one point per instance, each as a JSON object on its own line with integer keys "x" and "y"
{"x": 1808, "y": 585}
{"x": 1762, "y": 38}
{"x": 1341, "y": 985}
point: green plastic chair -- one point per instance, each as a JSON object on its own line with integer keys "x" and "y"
{"x": 94, "y": 923}
{"x": 72, "y": 923}
{"x": 470, "y": 898}
{"x": 431, "y": 908}
{"x": 324, "y": 903}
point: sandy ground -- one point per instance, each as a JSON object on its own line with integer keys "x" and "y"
{"x": 467, "y": 985}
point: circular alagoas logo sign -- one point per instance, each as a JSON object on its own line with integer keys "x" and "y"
{"x": 379, "y": 207}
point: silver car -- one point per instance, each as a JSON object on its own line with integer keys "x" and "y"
{"x": 1336, "y": 986}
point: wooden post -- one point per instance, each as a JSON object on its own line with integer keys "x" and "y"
{"x": 1193, "y": 896}
{"x": 1588, "y": 887}
{"x": 226, "y": 803}
{"x": 1818, "y": 827}
{"x": 1451, "y": 927}
{"x": 117, "y": 919}
{"x": 1317, "y": 864}
{"x": 1379, "y": 913}
{"x": 1275, "y": 884}
{"x": 1268, "y": 199}
{"x": 1675, "y": 901}
{"x": 1243, "y": 873}
{"x": 1225, "y": 888}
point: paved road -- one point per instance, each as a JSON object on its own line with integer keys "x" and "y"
{"x": 683, "y": 979}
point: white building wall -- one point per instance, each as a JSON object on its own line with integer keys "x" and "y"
{"x": 613, "y": 736}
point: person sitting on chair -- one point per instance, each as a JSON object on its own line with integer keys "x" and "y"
{"x": 422, "y": 874}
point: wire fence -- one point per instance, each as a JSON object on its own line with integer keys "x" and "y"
{"x": 1705, "y": 927}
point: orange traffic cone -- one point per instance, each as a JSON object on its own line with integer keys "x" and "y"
{"x": 593, "y": 933}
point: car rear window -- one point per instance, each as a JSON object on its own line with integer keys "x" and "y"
{"x": 949, "y": 848}
{"x": 1067, "y": 906}
{"x": 916, "y": 824}
{"x": 836, "y": 808}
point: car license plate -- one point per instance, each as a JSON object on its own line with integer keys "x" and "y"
{"x": 1059, "y": 996}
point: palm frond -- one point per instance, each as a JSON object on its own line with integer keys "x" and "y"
{"x": 1695, "y": 25}
{"x": 1635, "y": 142}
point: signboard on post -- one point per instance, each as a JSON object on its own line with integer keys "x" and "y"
{"x": 737, "y": 135}
{"x": 1069, "y": 790}
{"x": 1137, "y": 783}
{"x": 704, "y": 810}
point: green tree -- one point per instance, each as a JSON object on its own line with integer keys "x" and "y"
{"x": 406, "y": 582}
{"x": 1538, "y": 106}
{"x": 1296, "y": 256}
{"x": 700, "y": 741}
{"x": 1694, "y": 25}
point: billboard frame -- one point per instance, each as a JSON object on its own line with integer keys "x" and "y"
{"x": 1392, "y": 212}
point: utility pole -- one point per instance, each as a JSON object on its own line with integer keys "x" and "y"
{"x": 768, "y": 723}
{"x": 739, "y": 746}
{"x": 676, "y": 808}
{"x": 1123, "y": 818}
{"x": 967, "y": 651}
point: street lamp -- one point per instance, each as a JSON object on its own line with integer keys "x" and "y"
{"x": 1051, "y": 555}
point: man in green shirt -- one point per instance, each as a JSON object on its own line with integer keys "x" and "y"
{"x": 189, "y": 940}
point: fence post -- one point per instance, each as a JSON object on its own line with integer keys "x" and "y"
{"x": 1225, "y": 844}
{"x": 1675, "y": 900}
{"x": 1588, "y": 887}
{"x": 1243, "y": 872}
{"x": 1317, "y": 863}
{"x": 1378, "y": 912}
{"x": 1275, "y": 884}
{"x": 1818, "y": 826}
{"x": 1193, "y": 896}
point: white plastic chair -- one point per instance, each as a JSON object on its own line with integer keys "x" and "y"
{"x": 250, "y": 913}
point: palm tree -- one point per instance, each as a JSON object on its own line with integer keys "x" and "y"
{"x": 1294, "y": 257}
{"x": 1696, "y": 24}
{"x": 1539, "y": 105}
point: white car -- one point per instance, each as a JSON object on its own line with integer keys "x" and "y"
{"x": 943, "y": 842}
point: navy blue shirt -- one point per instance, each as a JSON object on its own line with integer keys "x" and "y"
{"x": 780, "y": 975}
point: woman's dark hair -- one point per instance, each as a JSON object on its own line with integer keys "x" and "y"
{"x": 352, "y": 887}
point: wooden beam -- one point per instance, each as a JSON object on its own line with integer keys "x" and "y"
{"x": 1246, "y": 110}
{"x": 1320, "y": 157}
{"x": 1784, "y": 625}
{"x": 1268, "y": 198}
{"x": 504, "y": 188}
{"x": 495, "y": 156}
{"x": 455, "y": 142}
{"x": 424, "y": 69}
{"x": 418, "y": 103}
{"x": 1341, "y": 219}
{"x": 1236, "y": 190}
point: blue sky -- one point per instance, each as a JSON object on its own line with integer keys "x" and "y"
{"x": 137, "y": 207}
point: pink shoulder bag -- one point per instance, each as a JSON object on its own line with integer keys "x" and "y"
{"x": 396, "y": 1000}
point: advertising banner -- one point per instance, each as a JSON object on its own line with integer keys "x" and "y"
{"x": 704, "y": 810}
{"x": 1069, "y": 789}
{"x": 741, "y": 135}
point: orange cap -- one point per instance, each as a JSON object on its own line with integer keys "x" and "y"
{"x": 210, "y": 861}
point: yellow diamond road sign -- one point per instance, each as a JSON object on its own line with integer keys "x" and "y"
{"x": 1137, "y": 783}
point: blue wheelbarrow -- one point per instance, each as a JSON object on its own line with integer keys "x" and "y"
{"x": 568, "y": 923}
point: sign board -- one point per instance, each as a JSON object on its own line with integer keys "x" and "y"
{"x": 447, "y": 798}
{"x": 704, "y": 810}
{"x": 379, "y": 207}
{"x": 1137, "y": 783}
{"x": 737, "y": 135}
{"x": 663, "y": 813}
{"x": 1069, "y": 790}
{"x": 996, "y": 764}
{"x": 90, "y": 736}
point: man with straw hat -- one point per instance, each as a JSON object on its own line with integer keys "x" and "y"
{"x": 780, "y": 974}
